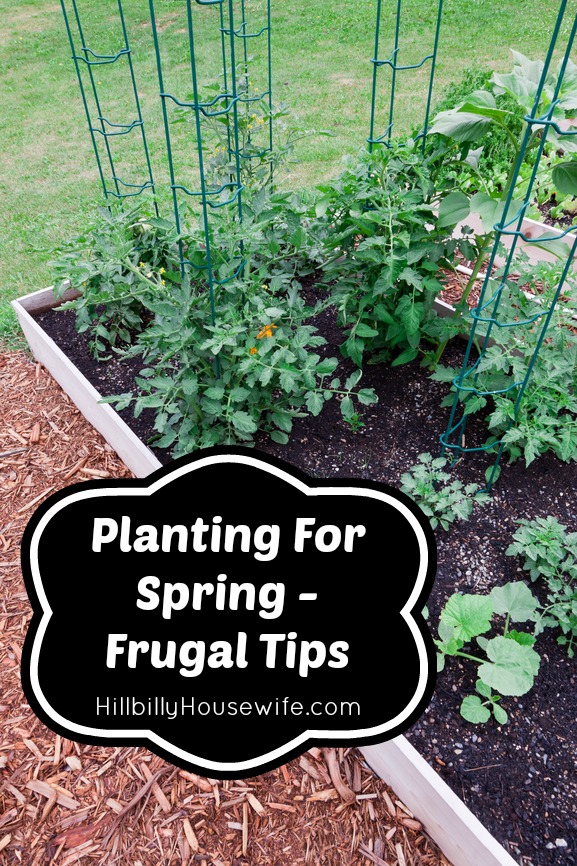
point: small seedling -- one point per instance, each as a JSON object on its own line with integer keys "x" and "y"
{"x": 355, "y": 422}
{"x": 477, "y": 711}
{"x": 441, "y": 499}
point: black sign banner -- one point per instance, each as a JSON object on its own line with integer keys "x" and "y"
{"x": 228, "y": 612}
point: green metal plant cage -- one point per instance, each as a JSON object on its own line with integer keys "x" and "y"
{"x": 86, "y": 61}
{"x": 393, "y": 65}
{"x": 491, "y": 311}
{"x": 236, "y": 97}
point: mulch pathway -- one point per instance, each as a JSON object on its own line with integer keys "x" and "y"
{"x": 64, "y": 803}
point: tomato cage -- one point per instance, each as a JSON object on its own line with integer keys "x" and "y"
{"x": 231, "y": 108}
{"x": 216, "y": 112}
{"x": 523, "y": 330}
{"x": 221, "y": 89}
{"x": 392, "y": 35}
{"x": 102, "y": 130}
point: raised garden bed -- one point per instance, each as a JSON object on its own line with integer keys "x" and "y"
{"x": 135, "y": 454}
{"x": 519, "y": 780}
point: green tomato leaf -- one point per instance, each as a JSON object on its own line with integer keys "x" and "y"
{"x": 327, "y": 366}
{"x": 388, "y": 276}
{"x": 298, "y": 237}
{"x": 411, "y": 277}
{"x": 164, "y": 308}
{"x": 383, "y": 315}
{"x": 283, "y": 421}
{"x": 189, "y": 384}
{"x": 353, "y": 379}
{"x": 243, "y": 422}
{"x": 279, "y": 436}
{"x": 215, "y": 393}
{"x": 474, "y": 404}
{"x": 274, "y": 312}
{"x": 365, "y": 331}
{"x": 167, "y": 439}
{"x": 288, "y": 380}
{"x": 121, "y": 401}
{"x": 347, "y": 407}
{"x": 211, "y": 407}
{"x": 405, "y": 357}
{"x": 238, "y": 394}
{"x": 314, "y": 402}
{"x": 367, "y": 396}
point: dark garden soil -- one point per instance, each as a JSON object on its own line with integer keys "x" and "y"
{"x": 562, "y": 222}
{"x": 519, "y": 779}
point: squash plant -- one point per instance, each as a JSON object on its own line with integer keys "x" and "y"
{"x": 511, "y": 664}
{"x": 468, "y": 122}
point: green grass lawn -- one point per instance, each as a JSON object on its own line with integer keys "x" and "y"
{"x": 321, "y": 70}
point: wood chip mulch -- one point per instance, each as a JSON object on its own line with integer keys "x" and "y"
{"x": 64, "y": 803}
{"x": 455, "y": 283}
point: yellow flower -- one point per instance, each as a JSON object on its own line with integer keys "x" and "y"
{"x": 265, "y": 287}
{"x": 140, "y": 264}
{"x": 163, "y": 282}
{"x": 253, "y": 351}
{"x": 266, "y": 331}
{"x": 162, "y": 271}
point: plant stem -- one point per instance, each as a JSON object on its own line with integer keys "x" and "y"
{"x": 467, "y": 656}
{"x": 473, "y": 658}
{"x": 514, "y": 141}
